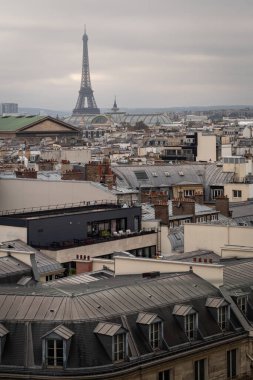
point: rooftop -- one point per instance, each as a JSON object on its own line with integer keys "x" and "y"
{"x": 101, "y": 299}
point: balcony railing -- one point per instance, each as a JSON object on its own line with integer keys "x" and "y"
{"x": 56, "y": 245}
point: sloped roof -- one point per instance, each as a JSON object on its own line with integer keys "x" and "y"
{"x": 45, "y": 264}
{"x": 206, "y": 174}
{"x": 14, "y": 123}
{"x": 106, "y": 328}
{"x": 183, "y": 310}
{"x": 62, "y": 331}
{"x": 146, "y": 318}
{"x": 215, "y": 302}
{"x": 88, "y": 303}
{"x": 19, "y": 123}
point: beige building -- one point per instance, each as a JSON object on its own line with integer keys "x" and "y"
{"x": 206, "y": 149}
{"x": 26, "y": 193}
{"x": 214, "y": 237}
{"x": 238, "y": 192}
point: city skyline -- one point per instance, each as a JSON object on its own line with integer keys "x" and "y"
{"x": 149, "y": 54}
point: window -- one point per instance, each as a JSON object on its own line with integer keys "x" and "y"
{"x": 237, "y": 193}
{"x": 119, "y": 345}
{"x": 190, "y": 327}
{"x": 223, "y": 317}
{"x": 217, "y": 193}
{"x": 214, "y": 217}
{"x": 140, "y": 175}
{"x": 188, "y": 193}
{"x": 54, "y": 352}
{"x": 49, "y": 277}
{"x": 231, "y": 364}
{"x": 164, "y": 375}
{"x": 242, "y": 304}
{"x": 155, "y": 335}
{"x": 199, "y": 370}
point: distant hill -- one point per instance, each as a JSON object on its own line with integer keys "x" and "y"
{"x": 54, "y": 113}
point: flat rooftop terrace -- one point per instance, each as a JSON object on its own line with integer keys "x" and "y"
{"x": 61, "y": 209}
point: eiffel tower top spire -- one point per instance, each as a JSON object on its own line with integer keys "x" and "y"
{"x": 86, "y": 103}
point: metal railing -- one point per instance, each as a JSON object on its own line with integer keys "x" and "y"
{"x": 82, "y": 204}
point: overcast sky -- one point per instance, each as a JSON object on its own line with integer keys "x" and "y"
{"x": 149, "y": 53}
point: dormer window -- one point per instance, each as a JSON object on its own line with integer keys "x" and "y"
{"x": 188, "y": 319}
{"x": 152, "y": 328}
{"x": 54, "y": 353}
{"x": 190, "y": 326}
{"x": 119, "y": 347}
{"x": 55, "y": 346}
{"x": 242, "y": 303}
{"x": 114, "y": 339}
{"x": 223, "y": 317}
{"x": 241, "y": 299}
{"x": 219, "y": 307}
{"x": 155, "y": 335}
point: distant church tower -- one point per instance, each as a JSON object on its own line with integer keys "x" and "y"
{"x": 86, "y": 103}
{"x": 115, "y": 107}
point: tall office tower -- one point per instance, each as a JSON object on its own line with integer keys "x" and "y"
{"x": 8, "y": 108}
{"x": 86, "y": 103}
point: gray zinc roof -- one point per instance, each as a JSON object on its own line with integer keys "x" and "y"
{"x": 169, "y": 175}
{"x": 182, "y": 310}
{"x": 238, "y": 274}
{"x": 62, "y": 331}
{"x": 95, "y": 304}
{"x": 44, "y": 263}
{"x": 10, "y": 265}
{"x": 146, "y": 318}
{"x": 215, "y": 302}
{"x": 106, "y": 328}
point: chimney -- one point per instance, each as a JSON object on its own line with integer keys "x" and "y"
{"x": 222, "y": 205}
{"x": 183, "y": 206}
{"x": 199, "y": 197}
{"x": 162, "y": 212}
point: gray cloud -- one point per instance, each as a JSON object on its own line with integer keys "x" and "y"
{"x": 149, "y": 53}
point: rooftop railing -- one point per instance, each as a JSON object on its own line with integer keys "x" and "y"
{"x": 63, "y": 206}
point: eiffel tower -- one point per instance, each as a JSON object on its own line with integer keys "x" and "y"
{"x": 86, "y": 103}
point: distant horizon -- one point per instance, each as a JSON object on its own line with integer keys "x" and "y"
{"x": 170, "y": 108}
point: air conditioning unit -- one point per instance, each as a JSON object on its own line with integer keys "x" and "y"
{"x": 167, "y": 174}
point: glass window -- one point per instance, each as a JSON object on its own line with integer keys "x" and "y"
{"x": 155, "y": 334}
{"x": 54, "y": 353}
{"x": 164, "y": 375}
{"x": 223, "y": 317}
{"x": 217, "y": 193}
{"x": 242, "y": 304}
{"x": 231, "y": 363}
{"x": 188, "y": 193}
{"x": 190, "y": 326}
{"x": 119, "y": 347}
{"x": 237, "y": 193}
{"x": 199, "y": 370}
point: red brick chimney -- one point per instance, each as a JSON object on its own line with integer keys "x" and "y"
{"x": 222, "y": 205}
